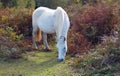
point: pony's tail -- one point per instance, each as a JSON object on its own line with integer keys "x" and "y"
{"x": 38, "y": 35}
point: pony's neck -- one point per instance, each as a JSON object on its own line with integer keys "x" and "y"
{"x": 64, "y": 32}
{"x": 63, "y": 28}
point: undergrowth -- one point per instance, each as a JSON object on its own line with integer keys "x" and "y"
{"x": 94, "y": 39}
{"x": 90, "y": 24}
{"x": 19, "y": 20}
{"x": 104, "y": 61}
{"x": 15, "y": 25}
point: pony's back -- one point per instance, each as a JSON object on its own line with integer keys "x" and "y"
{"x": 37, "y": 13}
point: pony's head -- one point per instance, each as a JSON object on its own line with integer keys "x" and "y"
{"x": 62, "y": 48}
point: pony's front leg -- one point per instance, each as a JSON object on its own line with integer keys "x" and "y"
{"x": 34, "y": 40}
{"x": 45, "y": 41}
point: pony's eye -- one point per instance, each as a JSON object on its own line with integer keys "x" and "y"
{"x": 62, "y": 37}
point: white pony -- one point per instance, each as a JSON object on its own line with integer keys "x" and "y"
{"x": 51, "y": 21}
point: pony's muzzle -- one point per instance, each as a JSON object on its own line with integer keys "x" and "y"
{"x": 60, "y": 60}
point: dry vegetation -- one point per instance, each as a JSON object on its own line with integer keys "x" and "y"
{"x": 92, "y": 23}
{"x": 94, "y": 37}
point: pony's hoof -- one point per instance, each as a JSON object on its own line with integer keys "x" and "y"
{"x": 48, "y": 50}
{"x": 60, "y": 60}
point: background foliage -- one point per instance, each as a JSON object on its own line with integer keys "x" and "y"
{"x": 50, "y": 3}
{"x": 18, "y": 3}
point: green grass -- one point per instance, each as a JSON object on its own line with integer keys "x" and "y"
{"x": 36, "y": 64}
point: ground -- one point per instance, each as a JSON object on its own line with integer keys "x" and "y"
{"x": 37, "y": 63}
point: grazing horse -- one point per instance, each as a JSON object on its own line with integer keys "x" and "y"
{"x": 51, "y": 21}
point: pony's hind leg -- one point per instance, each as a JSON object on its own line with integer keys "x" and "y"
{"x": 45, "y": 41}
{"x": 34, "y": 33}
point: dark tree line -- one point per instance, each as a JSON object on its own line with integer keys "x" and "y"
{"x": 37, "y": 3}
{"x": 17, "y": 3}
{"x": 9, "y": 3}
{"x": 50, "y": 3}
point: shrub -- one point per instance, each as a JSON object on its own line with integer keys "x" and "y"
{"x": 14, "y": 25}
{"x": 19, "y": 20}
{"x": 12, "y": 35}
{"x": 95, "y": 21}
{"x": 97, "y": 25}
{"x": 103, "y": 61}
{"x": 90, "y": 24}
{"x": 77, "y": 43}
